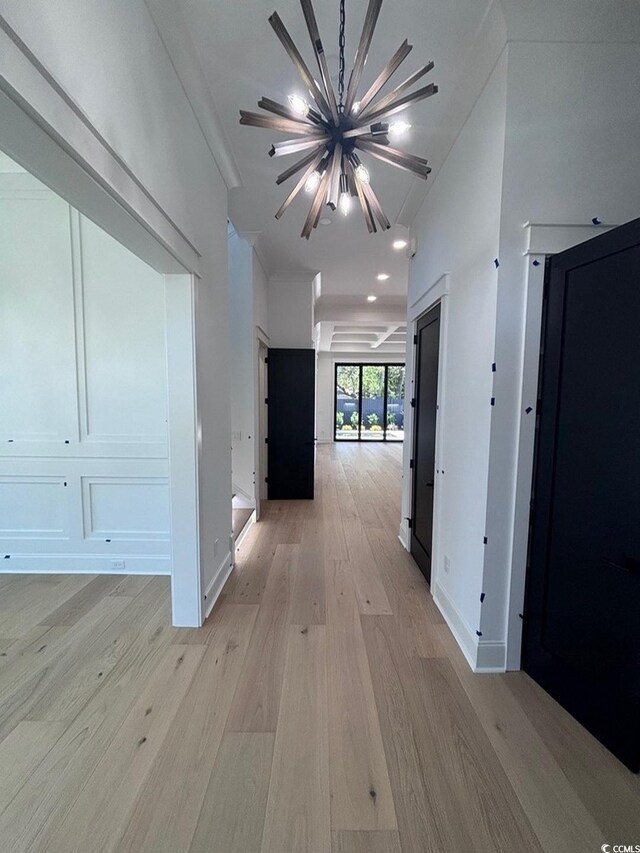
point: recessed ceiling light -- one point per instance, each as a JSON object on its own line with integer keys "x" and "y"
{"x": 325, "y": 221}
{"x": 382, "y": 276}
{"x": 400, "y": 244}
{"x": 371, "y": 298}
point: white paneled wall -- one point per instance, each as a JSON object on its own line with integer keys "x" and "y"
{"x": 83, "y": 421}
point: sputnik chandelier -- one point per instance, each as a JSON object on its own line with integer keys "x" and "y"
{"x": 335, "y": 131}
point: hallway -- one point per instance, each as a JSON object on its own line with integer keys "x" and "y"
{"x": 324, "y": 706}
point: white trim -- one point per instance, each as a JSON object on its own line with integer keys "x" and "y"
{"x": 184, "y": 449}
{"x": 542, "y": 240}
{"x": 403, "y": 534}
{"x": 216, "y": 584}
{"x": 463, "y": 635}
{"x": 83, "y": 564}
{"x": 550, "y": 239}
{"x": 241, "y": 536}
{"x": 437, "y": 293}
{"x": 490, "y": 656}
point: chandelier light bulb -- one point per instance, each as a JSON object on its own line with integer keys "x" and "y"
{"x": 382, "y": 276}
{"x": 371, "y": 298}
{"x": 313, "y": 182}
{"x": 399, "y": 128}
{"x": 299, "y": 105}
{"x": 355, "y": 109}
{"x": 399, "y": 244}
{"x": 363, "y": 173}
{"x": 345, "y": 203}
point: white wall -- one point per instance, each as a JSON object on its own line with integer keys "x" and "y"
{"x": 83, "y": 425}
{"x": 575, "y": 161}
{"x": 290, "y": 310}
{"x": 458, "y": 233}
{"x": 551, "y": 139}
{"x": 99, "y": 81}
{"x": 325, "y": 377}
{"x": 247, "y": 321}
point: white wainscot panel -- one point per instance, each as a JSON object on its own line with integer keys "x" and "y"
{"x": 126, "y": 508}
{"x": 37, "y": 353}
{"x": 123, "y": 365}
{"x": 33, "y": 507}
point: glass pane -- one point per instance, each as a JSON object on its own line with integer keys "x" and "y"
{"x": 347, "y": 407}
{"x": 372, "y": 422}
{"x": 395, "y": 402}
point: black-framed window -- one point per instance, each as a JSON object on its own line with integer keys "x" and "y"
{"x": 369, "y": 402}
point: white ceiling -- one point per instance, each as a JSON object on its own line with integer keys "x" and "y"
{"x": 373, "y": 338}
{"x": 243, "y": 60}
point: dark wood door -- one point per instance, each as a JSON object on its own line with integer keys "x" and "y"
{"x": 424, "y": 440}
{"x": 582, "y": 613}
{"x": 291, "y": 421}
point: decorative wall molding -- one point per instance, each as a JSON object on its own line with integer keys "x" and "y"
{"x": 49, "y": 518}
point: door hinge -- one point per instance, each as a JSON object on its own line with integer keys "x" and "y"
{"x": 413, "y": 402}
{"x": 266, "y": 401}
{"x": 409, "y": 523}
{"x": 415, "y": 339}
{"x": 411, "y": 463}
{"x": 266, "y": 441}
{"x": 266, "y": 479}
{"x": 266, "y": 361}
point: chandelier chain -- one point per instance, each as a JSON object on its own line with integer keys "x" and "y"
{"x": 341, "y": 44}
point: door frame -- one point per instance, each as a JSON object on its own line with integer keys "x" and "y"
{"x": 361, "y": 364}
{"x": 35, "y": 134}
{"x": 261, "y": 419}
{"x": 437, "y": 293}
{"x": 543, "y": 240}
{"x": 414, "y": 439}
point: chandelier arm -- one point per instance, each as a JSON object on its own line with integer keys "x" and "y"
{"x": 364, "y": 204}
{"x": 375, "y": 206}
{"x": 321, "y": 59}
{"x": 294, "y": 54}
{"x": 334, "y": 181}
{"x": 395, "y": 93}
{"x": 373, "y": 130}
{"x": 313, "y": 119}
{"x": 370, "y": 21}
{"x": 288, "y": 173}
{"x": 293, "y": 146}
{"x": 283, "y": 125}
{"x": 396, "y": 158}
{"x": 316, "y": 206}
{"x": 300, "y": 185}
{"x": 397, "y": 106}
{"x": 390, "y": 68}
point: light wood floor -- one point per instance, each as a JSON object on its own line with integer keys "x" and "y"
{"x": 323, "y": 707}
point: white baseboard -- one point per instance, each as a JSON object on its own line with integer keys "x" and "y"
{"x": 459, "y": 628}
{"x": 241, "y": 499}
{"x": 324, "y": 441}
{"x": 241, "y": 536}
{"x": 214, "y": 588}
{"x": 482, "y": 655}
{"x": 403, "y": 534}
{"x": 492, "y": 656}
{"x": 81, "y": 564}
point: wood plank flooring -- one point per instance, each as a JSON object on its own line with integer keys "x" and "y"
{"x": 323, "y": 707}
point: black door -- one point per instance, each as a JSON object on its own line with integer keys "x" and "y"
{"x": 291, "y": 421}
{"x": 582, "y": 613}
{"x": 424, "y": 441}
